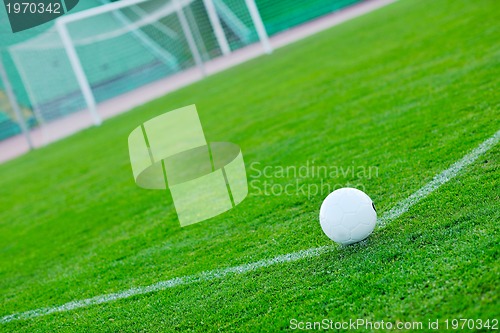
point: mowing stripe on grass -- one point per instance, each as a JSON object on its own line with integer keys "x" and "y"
{"x": 399, "y": 209}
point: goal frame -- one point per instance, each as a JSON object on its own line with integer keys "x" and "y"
{"x": 62, "y": 22}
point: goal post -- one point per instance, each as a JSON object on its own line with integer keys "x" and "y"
{"x": 189, "y": 36}
{"x": 78, "y": 70}
{"x": 259, "y": 25}
{"x": 95, "y": 55}
{"x": 217, "y": 26}
{"x": 4, "y": 79}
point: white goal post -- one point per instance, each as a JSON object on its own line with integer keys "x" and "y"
{"x": 94, "y": 55}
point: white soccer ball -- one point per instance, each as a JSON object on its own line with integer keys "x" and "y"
{"x": 347, "y": 216}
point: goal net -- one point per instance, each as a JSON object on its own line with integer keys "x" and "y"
{"x": 95, "y": 55}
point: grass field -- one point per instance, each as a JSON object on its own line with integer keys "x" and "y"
{"x": 407, "y": 90}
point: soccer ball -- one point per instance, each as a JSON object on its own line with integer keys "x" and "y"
{"x": 347, "y": 216}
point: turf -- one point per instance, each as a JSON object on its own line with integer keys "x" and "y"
{"x": 407, "y": 90}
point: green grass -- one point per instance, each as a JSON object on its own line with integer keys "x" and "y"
{"x": 408, "y": 89}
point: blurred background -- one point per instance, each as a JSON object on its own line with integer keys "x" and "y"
{"x": 116, "y": 47}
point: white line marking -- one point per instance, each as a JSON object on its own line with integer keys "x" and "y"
{"x": 162, "y": 285}
{"x": 438, "y": 180}
{"x": 399, "y": 209}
